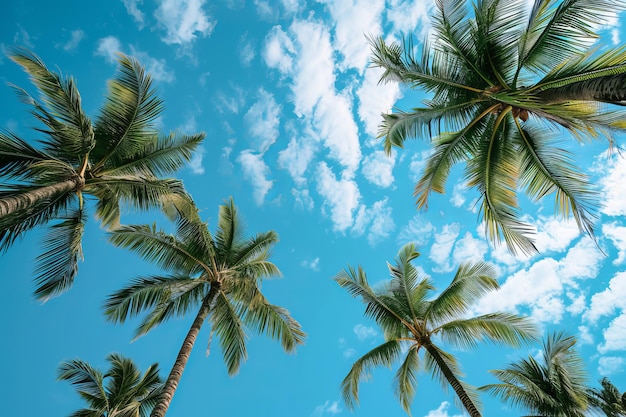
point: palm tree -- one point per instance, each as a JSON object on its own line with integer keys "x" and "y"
{"x": 503, "y": 79}
{"x": 216, "y": 276}
{"x": 126, "y": 392}
{"x": 608, "y": 400}
{"x": 118, "y": 159}
{"x": 554, "y": 386}
{"x": 412, "y": 323}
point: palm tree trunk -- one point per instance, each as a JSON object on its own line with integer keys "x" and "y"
{"x": 183, "y": 355}
{"x": 454, "y": 382}
{"x": 22, "y": 201}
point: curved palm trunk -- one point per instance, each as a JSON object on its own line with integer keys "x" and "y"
{"x": 183, "y": 355}
{"x": 15, "y": 203}
{"x": 453, "y": 381}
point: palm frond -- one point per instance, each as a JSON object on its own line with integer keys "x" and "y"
{"x": 382, "y": 355}
{"x": 57, "y": 266}
{"x": 227, "y": 325}
{"x": 500, "y": 328}
{"x": 405, "y": 380}
{"x": 73, "y": 135}
{"x": 149, "y": 293}
{"x": 17, "y": 155}
{"x": 159, "y": 247}
{"x": 470, "y": 283}
{"x": 88, "y": 380}
{"x": 127, "y": 120}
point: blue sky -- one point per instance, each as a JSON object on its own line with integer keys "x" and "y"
{"x": 291, "y": 111}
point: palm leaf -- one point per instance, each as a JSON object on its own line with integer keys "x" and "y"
{"x": 57, "y": 266}
{"x": 406, "y": 379}
{"x": 228, "y": 327}
{"x": 382, "y": 355}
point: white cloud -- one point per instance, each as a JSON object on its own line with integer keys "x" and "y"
{"x": 342, "y": 196}
{"x": 327, "y": 408}
{"x": 279, "y": 50}
{"x": 75, "y": 37}
{"x": 108, "y": 47}
{"x": 377, "y": 220}
{"x": 302, "y": 199}
{"x": 617, "y": 235}
{"x": 296, "y": 158}
{"x": 246, "y": 51}
{"x": 375, "y": 99}
{"x": 609, "y": 365}
{"x": 614, "y": 197}
{"x": 442, "y": 411}
{"x": 585, "y": 336}
{"x": 349, "y": 353}
{"x": 363, "y": 332}
{"x": 608, "y": 301}
{"x": 184, "y": 20}
{"x": 554, "y": 234}
{"x": 353, "y": 19}
{"x": 23, "y": 38}
{"x": 133, "y": 9}
{"x": 417, "y": 230}
{"x": 614, "y": 335}
{"x": 256, "y": 171}
{"x": 407, "y": 15}
{"x": 458, "y": 199}
{"x": 469, "y": 249}
{"x": 418, "y": 163}
{"x": 195, "y": 164}
{"x": 442, "y": 246}
{"x": 615, "y": 37}
{"x": 263, "y": 121}
{"x": 157, "y": 68}
{"x": 378, "y": 168}
{"x": 313, "y": 265}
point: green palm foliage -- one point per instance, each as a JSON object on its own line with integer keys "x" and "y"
{"x": 504, "y": 79}
{"x": 415, "y": 324}
{"x": 554, "y": 386}
{"x": 608, "y": 400}
{"x": 118, "y": 159}
{"x": 216, "y": 276}
{"x": 120, "y": 392}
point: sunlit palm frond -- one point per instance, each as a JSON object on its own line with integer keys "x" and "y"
{"x": 140, "y": 192}
{"x": 272, "y": 320}
{"x": 405, "y": 380}
{"x": 127, "y": 120}
{"x": 58, "y": 264}
{"x": 228, "y": 327}
{"x": 146, "y": 293}
{"x": 74, "y": 135}
{"x": 159, "y": 247}
{"x": 229, "y": 231}
{"x": 257, "y": 249}
{"x": 382, "y": 355}
{"x": 471, "y": 282}
{"x": 500, "y": 328}
{"x": 159, "y": 156}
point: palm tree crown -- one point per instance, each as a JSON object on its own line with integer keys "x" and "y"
{"x": 126, "y": 392}
{"x": 502, "y": 78}
{"x": 215, "y": 276}
{"x": 412, "y": 323}
{"x": 119, "y": 158}
{"x": 552, "y": 387}
{"x": 608, "y": 400}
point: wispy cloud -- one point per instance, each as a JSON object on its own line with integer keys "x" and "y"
{"x": 442, "y": 411}
{"x": 184, "y": 21}
{"x": 263, "y": 120}
{"x": 341, "y": 196}
{"x": 609, "y": 365}
{"x": 313, "y": 265}
{"x": 157, "y": 68}
{"x": 108, "y": 47}
{"x": 378, "y": 168}
{"x": 132, "y": 7}
{"x": 377, "y": 221}
{"x": 75, "y": 37}
{"x": 256, "y": 171}
{"x": 23, "y": 38}
{"x": 364, "y": 332}
{"x": 327, "y": 408}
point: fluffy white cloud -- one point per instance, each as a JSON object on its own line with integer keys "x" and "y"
{"x": 469, "y": 249}
{"x": 417, "y": 230}
{"x": 195, "y": 164}
{"x": 442, "y": 411}
{"x": 363, "y": 332}
{"x": 157, "y": 68}
{"x": 442, "y": 246}
{"x": 378, "y": 168}
{"x": 617, "y": 235}
{"x": 375, "y": 99}
{"x": 377, "y": 220}
{"x": 302, "y": 199}
{"x": 554, "y": 234}
{"x": 614, "y": 335}
{"x": 183, "y": 20}
{"x": 296, "y": 158}
{"x": 279, "y": 50}
{"x": 406, "y": 15}
{"x": 458, "y": 199}
{"x": 108, "y": 48}
{"x": 353, "y": 19}
{"x": 614, "y": 197}
{"x": 609, "y": 365}
{"x": 133, "y": 9}
{"x": 605, "y": 303}
{"x": 263, "y": 121}
{"x": 256, "y": 171}
{"x": 342, "y": 196}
